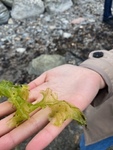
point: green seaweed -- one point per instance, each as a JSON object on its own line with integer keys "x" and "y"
{"x": 60, "y": 109}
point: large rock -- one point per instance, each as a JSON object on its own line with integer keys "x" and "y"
{"x": 57, "y": 5}
{"x": 44, "y": 63}
{"x": 8, "y": 2}
{"x": 27, "y": 8}
{"x": 22, "y": 9}
{"x": 4, "y": 13}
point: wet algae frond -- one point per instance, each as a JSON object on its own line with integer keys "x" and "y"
{"x": 60, "y": 109}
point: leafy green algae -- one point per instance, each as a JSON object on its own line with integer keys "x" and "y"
{"x": 60, "y": 109}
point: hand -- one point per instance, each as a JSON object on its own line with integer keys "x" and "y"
{"x": 74, "y": 84}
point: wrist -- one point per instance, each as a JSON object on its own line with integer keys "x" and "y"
{"x": 103, "y": 66}
{"x": 97, "y": 78}
{"x": 101, "y": 81}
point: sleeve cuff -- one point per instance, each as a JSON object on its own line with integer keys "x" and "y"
{"x": 101, "y": 61}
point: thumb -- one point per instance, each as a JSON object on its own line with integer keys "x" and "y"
{"x": 39, "y": 80}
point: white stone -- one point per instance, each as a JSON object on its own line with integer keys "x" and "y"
{"x": 21, "y": 50}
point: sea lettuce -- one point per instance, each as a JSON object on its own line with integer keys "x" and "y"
{"x": 60, "y": 109}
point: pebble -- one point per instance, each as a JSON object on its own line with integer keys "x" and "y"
{"x": 21, "y": 50}
{"x": 66, "y": 35}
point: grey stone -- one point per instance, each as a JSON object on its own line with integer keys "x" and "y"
{"x": 44, "y": 63}
{"x": 27, "y": 8}
{"x": 57, "y": 5}
{"x": 8, "y": 2}
{"x": 4, "y": 13}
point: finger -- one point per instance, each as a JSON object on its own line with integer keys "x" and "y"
{"x": 25, "y": 130}
{"x": 46, "y": 136}
{"x": 5, "y": 125}
{"x": 6, "y": 108}
{"x": 35, "y": 94}
{"x": 38, "y": 81}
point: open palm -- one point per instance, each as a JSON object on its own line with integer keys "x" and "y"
{"x": 74, "y": 84}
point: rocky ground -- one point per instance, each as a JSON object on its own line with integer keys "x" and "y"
{"x": 23, "y": 41}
